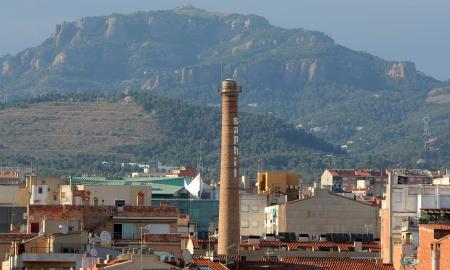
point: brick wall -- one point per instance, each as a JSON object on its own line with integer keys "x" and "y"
{"x": 384, "y": 235}
{"x": 445, "y": 253}
{"x": 91, "y": 216}
{"x": 427, "y": 236}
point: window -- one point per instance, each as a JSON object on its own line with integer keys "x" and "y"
{"x": 34, "y": 228}
{"x": 397, "y": 222}
{"x": 119, "y": 203}
{"x": 398, "y": 197}
{"x": 244, "y": 224}
{"x": 244, "y": 208}
{"x": 117, "y": 231}
{"x": 159, "y": 228}
{"x": 40, "y": 190}
{"x": 128, "y": 231}
{"x": 263, "y": 183}
{"x": 255, "y": 208}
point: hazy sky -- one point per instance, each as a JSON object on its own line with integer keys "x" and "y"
{"x": 415, "y": 30}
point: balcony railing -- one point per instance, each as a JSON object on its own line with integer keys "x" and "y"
{"x": 55, "y": 248}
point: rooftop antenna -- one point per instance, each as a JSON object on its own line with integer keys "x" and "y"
{"x": 36, "y": 162}
{"x": 200, "y": 161}
{"x": 426, "y": 130}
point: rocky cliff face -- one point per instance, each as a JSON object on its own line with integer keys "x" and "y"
{"x": 401, "y": 70}
{"x": 188, "y": 47}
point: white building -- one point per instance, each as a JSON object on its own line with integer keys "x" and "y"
{"x": 407, "y": 193}
{"x": 39, "y": 194}
{"x": 252, "y": 213}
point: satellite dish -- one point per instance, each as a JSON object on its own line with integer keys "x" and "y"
{"x": 105, "y": 237}
{"x": 93, "y": 252}
{"x": 187, "y": 257}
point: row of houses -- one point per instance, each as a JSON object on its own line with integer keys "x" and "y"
{"x": 120, "y": 219}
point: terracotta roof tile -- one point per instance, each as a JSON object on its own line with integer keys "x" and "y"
{"x": 443, "y": 227}
{"x": 371, "y": 247}
{"x": 208, "y": 263}
{"x": 10, "y": 237}
{"x": 339, "y": 263}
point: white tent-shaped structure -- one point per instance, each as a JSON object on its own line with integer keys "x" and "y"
{"x": 195, "y": 187}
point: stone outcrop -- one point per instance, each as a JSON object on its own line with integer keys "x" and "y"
{"x": 152, "y": 83}
{"x": 60, "y": 58}
{"x": 5, "y": 68}
{"x": 64, "y": 33}
{"x": 401, "y": 70}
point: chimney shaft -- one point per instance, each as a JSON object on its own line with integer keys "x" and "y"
{"x": 229, "y": 224}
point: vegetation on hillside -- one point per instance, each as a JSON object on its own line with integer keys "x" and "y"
{"x": 181, "y": 134}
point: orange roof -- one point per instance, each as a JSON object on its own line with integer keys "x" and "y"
{"x": 208, "y": 263}
{"x": 339, "y": 263}
{"x": 443, "y": 227}
{"x": 11, "y": 237}
{"x": 351, "y": 172}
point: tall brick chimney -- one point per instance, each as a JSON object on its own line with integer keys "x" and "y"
{"x": 229, "y": 224}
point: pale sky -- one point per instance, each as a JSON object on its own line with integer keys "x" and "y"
{"x": 415, "y": 30}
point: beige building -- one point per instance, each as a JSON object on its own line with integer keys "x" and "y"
{"x": 41, "y": 190}
{"x": 107, "y": 195}
{"x": 9, "y": 195}
{"x": 55, "y": 251}
{"x": 323, "y": 213}
{"x": 252, "y": 213}
{"x": 278, "y": 182}
{"x": 133, "y": 261}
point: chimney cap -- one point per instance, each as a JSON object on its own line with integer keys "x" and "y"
{"x": 229, "y": 85}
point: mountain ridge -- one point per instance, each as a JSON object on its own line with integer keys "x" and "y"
{"x": 154, "y": 58}
{"x": 346, "y": 97}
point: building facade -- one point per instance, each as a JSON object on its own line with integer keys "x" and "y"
{"x": 370, "y": 182}
{"x": 407, "y": 193}
{"x": 278, "y": 182}
{"x": 323, "y": 213}
{"x": 105, "y": 195}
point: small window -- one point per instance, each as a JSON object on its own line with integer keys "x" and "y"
{"x": 244, "y": 224}
{"x": 34, "y": 227}
{"x": 398, "y": 197}
{"x": 117, "y": 231}
{"x": 244, "y": 208}
{"x": 255, "y": 208}
{"x": 40, "y": 190}
{"x": 119, "y": 203}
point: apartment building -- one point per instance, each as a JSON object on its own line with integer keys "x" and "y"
{"x": 368, "y": 182}
{"x": 408, "y": 192}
